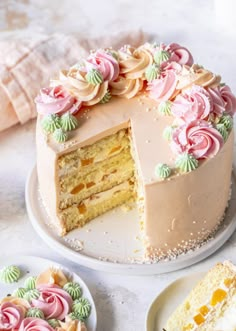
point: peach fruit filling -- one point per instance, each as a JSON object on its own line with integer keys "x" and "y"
{"x": 85, "y": 162}
{"x": 199, "y": 319}
{"x": 204, "y": 310}
{"x": 218, "y": 296}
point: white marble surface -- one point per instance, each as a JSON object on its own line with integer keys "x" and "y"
{"x": 122, "y": 301}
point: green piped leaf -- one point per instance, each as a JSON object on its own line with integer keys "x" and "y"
{"x": 69, "y": 122}
{"x": 60, "y": 135}
{"x": 222, "y": 130}
{"x": 94, "y": 77}
{"x": 164, "y": 107}
{"x": 161, "y": 56}
{"x": 106, "y": 98}
{"x": 152, "y": 72}
{"x": 162, "y": 170}
{"x": 168, "y": 132}
{"x": 227, "y": 121}
{"x": 186, "y": 162}
{"x": 50, "y": 123}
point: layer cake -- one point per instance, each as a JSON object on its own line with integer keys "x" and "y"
{"x": 143, "y": 125}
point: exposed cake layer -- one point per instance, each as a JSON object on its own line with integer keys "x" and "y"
{"x": 97, "y": 204}
{"x": 102, "y": 176}
{"x": 179, "y": 211}
{"x": 83, "y": 158}
{"x": 207, "y": 307}
{"x": 111, "y": 165}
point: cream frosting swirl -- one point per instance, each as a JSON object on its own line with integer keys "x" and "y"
{"x": 192, "y": 104}
{"x": 126, "y": 88}
{"x": 53, "y": 301}
{"x": 197, "y": 75}
{"x": 35, "y": 324}
{"x": 105, "y": 63}
{"x": 70, "y": 325}
{"x": 134, "y": 61}
{"x": 229, "y": 98}
{"x": 11, "y": 316}
{"x": 56, "y": 100}
{"x": 75, "y": 82}
{"x": 52, "y": 276}
{"x": 198, "y": 138}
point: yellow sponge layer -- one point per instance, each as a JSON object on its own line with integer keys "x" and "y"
{"x": 103, "y": 176}
{"x": 206, "y": 301}
{"x": 101, "y": 150}
{"x": 79, "y": 214}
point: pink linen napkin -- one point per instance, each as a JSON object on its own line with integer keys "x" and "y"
{"x": 28, "y": 61}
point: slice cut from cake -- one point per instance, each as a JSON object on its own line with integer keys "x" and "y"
{"x": 211, "y": 305}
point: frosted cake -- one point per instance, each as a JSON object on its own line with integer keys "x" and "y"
{"x": 139, "y": 124}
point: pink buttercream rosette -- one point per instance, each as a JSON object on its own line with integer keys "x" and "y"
{"x": 198, "y": 138}
{"x": 105, "y": 63}
{"x": 229, "y": 98}
{"x": 56, "y": 100}
{"x": 164, "y": 87}
{"x": 35, "y": 324}
{"x": 218, "y": 103}
{"x": 11, "y": 316}
{"x": 180, "y": 54}
{"x": 53, "y": 301}
{"x": 192, "y": 104}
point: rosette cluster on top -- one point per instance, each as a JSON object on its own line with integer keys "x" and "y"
{"x": 48, "y": 302}
{"x": 202, "y": 108}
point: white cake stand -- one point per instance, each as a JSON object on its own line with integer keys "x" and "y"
{"x": 111, "y": 242}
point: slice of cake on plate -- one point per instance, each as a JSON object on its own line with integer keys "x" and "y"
{"x": 211, "y": 305}
{"x": 138, "y": 124}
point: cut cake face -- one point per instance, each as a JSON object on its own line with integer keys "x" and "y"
{"x": 142, "y": 125}
{"x": 211, "y": 305}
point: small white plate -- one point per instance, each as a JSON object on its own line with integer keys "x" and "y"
{"x": 33, "y": 266}
{"x": 111, "y": 241}
{"x": 168, "y": 300}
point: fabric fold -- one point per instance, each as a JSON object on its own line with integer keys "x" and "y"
{"x": 28, "y": 61}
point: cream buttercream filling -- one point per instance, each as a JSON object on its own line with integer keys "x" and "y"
{"x": 227, "y": 322}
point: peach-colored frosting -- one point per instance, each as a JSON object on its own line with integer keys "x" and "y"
{"x": 134, "y": 62}
{"x": 11, "y": 316}
{"x": 74, "y": 81}
{"x": 52, "y": 276}
{"x": 70, "y": 325}
{"x": 35, "y": 324}
{"x": 197, "y": 75}
{"x": 53, "y": 301}
{"x": 126, "y": 88}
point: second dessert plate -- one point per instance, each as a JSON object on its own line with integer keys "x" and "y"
{"x": 112, "y": 242}
{"x": 168, "y": 300}
{"x": 33, "y": 266}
